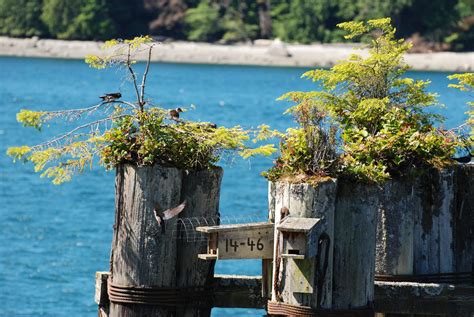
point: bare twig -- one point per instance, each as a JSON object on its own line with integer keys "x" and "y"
{"x": 142, "y": 94}
{"x": 62, "y": 137}
{"x": 134, "y": 76}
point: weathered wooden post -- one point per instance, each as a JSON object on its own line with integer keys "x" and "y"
{"x": 425, "y": 229}
{"x": 300, "y": 283}
{"x": 335, "y": 274}
{"x": 354, "y": 247}
{"x": 150, "y": 275}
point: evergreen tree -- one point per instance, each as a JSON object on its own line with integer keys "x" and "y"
{"x": 78, "y": 19}
{"x": 302, "y": 21}
{"x": 203, "y": 22}
{"x": 20, "y": 18}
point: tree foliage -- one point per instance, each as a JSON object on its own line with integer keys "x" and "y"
{"x": 20, "y": 18}
{"x": 77, "y": 19}
{"x": 382, "y": 127}
{"x": 128, "y": 132}
{"x": 465, "y": 82}
{"x": 446, "y": 22}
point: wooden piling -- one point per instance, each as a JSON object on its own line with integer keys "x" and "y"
{"x": 201, "y": 191}
{"x": 354, "y": 245}
{"x": 425, "y": 225}
{"x": 295, "y": 281}
{"x": 148, "y": 256}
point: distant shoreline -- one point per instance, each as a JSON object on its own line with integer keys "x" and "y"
{"x": 261, "y": 53}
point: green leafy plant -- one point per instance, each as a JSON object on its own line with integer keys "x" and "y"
{"x": 128, "y": 132}
{"x": 466, "y": 83}
{"x": 377, "y": 114}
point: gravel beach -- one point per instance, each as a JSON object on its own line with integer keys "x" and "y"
{"x": 261, "y": 52}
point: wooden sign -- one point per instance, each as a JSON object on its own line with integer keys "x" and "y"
{"x": 240, "y": 241}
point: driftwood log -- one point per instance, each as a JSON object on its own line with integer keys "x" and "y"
{"x": 147, "y": 255}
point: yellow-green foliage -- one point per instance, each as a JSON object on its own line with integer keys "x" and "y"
{"x": 31, "y": 118}
{"x": 382, "y": 128}
{"x": 466, "y": 83}
{"x": 131, "y": 132}
{"x": 119, "y": 52}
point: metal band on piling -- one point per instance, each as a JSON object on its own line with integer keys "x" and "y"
{"x": 277, "y": 308}
{"x": 159, "y": 296}
{"x": 451, "y": 278}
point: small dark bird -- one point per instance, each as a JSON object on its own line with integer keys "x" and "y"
{"x": 174, "y": 114}
{"x": 167, "y": 214}
{"x": 463, "y": 159}
{"x": 110, "y": 97}
{"x": 213, "y": 125}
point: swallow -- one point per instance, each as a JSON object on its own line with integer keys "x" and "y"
{"x": 463, "y": 159}
{"x": 174, "y": 113}
{"x": 110, "y": 97}
{"x": 167, "y": 214}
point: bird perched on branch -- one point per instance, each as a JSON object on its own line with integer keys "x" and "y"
{"x": 465, "y": 159}
{"x": 110, "y": 97}
{"x": 167, "y": 214}
{"x": 174, "y": 114}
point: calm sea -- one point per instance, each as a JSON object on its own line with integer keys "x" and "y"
{"x": 54, "y": 238}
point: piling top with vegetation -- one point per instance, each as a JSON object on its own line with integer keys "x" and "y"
{"x": 369, "y": 122}
{"x": 135, "y": 132}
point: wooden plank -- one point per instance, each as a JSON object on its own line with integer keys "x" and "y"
{"x": 237, "y": 291}
{"x": 101, "y": 298}
{"x": 464, "y": 218}
{"x": 252, "y": 242}
{"x": 293, "y": 256}
{"x": 296, "y": 224}
{"x": 395, "y": 227}
{"x": 354, "y": 245}
{"x": 234, "y": 291}
{"x": 424, "y": 299}
{"x": 201, "y": 191}
{"x": 236, "y": 227}
{"x": 203, "y": 256}
{"x": 433, "y": 239}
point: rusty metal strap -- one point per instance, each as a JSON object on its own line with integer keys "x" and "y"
{"x": 160, "y": 296}
{"x": 276, "y": 308}
{"x": 451, "y": 278}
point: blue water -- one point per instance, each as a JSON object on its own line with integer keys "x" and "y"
{"x": 54, "y": 238}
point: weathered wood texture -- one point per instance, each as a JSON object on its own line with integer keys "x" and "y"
{"x": 294, "y": 281}
{"x": 237, "y": 291}
{"x": 354, "y": 245}
{"x": 400, "y": 299}
{"x": 434, "y": 221}
{"x": 424, "y": 300}
{"x": 464, "y": 218}
{"x": 395, "y": 226}
{"x": 142, "y": 253}
{"x": 425, "y": 225}
{"x": 201, "y": 190}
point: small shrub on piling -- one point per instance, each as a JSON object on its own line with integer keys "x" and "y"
{"x": 134, "y": 132}
{"x": 368, "y": 112}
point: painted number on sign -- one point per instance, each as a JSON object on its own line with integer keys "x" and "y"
{"x": 234, "y": 245}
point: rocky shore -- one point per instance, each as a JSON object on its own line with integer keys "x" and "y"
{"x": 261, "y": 52}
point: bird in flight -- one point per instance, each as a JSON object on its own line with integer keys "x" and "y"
{"x": 110, "y": 96}
{"x": 174, "y": 113}
{"x": 167, "y": 214}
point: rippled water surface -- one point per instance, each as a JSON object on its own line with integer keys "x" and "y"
{"x": 54, "y": 238}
